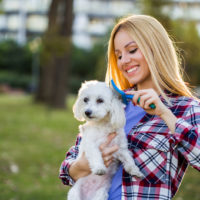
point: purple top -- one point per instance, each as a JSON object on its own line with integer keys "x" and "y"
{"x": 133, "y": 116}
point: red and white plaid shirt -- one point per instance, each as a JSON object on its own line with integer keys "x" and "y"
{"x": 162, "y": 157}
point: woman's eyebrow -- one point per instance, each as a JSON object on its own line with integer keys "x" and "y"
{"x": 130, "y": 43}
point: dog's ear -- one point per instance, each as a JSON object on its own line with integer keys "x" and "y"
{"x": 77, "y": 110}
{"x": 117, "y": 113}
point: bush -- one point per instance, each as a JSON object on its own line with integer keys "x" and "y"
{"x": 14, "y": 57}
{"x": 87, "y": 65}
{"x": 15, "y": 80}
{"x": 15, "y": 64}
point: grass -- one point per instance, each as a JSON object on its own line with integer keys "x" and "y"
{"x": 33, "y": 139}
{"x": 33, "y": 142}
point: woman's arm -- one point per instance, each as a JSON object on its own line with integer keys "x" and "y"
{"x": 148, "y": 97}
{"x": 73, "y": 168}
{"x": 185, "y": 128}
{"x": 70, "y": 158}
{"x": 170, "y": 119}
{"x": 187, "y": 135}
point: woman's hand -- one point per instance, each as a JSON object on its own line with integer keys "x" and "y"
{"x": 144, "y": 98}
{"x": 79, "y": 168}
{"x": 107, "y": 150}
{"x": 148, "y": 97}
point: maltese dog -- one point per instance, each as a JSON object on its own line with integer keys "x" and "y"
{"x": 103, "y": 111}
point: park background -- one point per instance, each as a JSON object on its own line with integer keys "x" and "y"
{"x": 47, "y": 49}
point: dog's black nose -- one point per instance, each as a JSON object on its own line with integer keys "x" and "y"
{"x": 88, "y": 113}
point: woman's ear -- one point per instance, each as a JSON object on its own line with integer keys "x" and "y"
{"x": 117, "y": 113}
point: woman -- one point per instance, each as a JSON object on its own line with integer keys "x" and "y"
{"x": 143, "y": 61}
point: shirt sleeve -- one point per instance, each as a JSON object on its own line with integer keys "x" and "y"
{"x": 186, "y": 136}
{"x": 71, "y": 156}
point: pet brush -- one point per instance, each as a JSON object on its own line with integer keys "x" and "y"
{"x": 126, "y": 97}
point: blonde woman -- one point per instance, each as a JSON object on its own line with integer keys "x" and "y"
{"x": 143, "y": 61}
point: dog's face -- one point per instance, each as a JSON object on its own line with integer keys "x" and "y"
{"x": 97, "y": 102}
{"x": 93, "y": 101}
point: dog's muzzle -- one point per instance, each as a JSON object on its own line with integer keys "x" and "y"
{"x": 88, "y": 113}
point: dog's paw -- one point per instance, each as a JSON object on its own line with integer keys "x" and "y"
{"x": 137, "y": 173}
{"x": 134, "y": 171}
{"x": 100, "y": 172}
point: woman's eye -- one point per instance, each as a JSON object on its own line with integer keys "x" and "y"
{"x": 133, "y": 51}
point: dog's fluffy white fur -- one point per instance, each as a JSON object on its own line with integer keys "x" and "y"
{"x": 103, "y": 112}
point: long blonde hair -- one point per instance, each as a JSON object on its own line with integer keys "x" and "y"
{"x": 159, "y": 51}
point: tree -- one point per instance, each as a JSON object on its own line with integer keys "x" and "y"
{"x": 155, "y": 9}
{"x": 55, "y": 55}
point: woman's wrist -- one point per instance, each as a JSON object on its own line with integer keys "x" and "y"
{"x": 78, "y": 169}
{"x": 170, "y": 119}
{"x": 166, "y": 113}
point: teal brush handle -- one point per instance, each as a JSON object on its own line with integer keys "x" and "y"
{"x": 152, "y": 106}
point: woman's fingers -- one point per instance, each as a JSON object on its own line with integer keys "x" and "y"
{"x": 108, "y": 141}
{"x": 107, "y": 150}
{"x": 143, "y": 100}
{"x": 148, "y": 102}
{"x": 136, "y": 98}
{"x": 146, "y": 98}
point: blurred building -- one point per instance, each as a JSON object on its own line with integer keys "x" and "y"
{"x": 26, "y": 19}
{"x": 186, "y": 10}
{"x": 22, "y": 19}
{"x": 93, "y": 18}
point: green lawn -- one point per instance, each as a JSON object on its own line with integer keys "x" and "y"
{"x": 33, "y": 142}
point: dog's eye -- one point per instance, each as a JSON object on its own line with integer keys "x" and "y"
{"x": 86, "y": 99}
{"x": 99, "y": 100}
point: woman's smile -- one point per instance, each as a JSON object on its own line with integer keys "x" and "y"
{"x": 132, "y": 70}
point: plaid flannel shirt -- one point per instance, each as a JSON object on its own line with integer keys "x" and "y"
{"x": 162, "y": 157}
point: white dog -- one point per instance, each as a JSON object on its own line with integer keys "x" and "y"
{"x": 103, "y": 112}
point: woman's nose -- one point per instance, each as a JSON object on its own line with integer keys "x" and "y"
{"x": 125, "y": 59}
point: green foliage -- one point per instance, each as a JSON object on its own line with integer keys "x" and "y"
{"x": 15, "y": 80}
{"x": 185, "y": 35}
{"x": 189, "y": 188}
{"x": 14, "y": 57}
{"x": 155, "y": 9}
{"x": 34, "y": 140}
{"x": 87, "y": 65}
{"x": 188, "y": 41}
{"x": 15, "y": 64}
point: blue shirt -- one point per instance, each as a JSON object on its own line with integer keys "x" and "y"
{"x": 133, "y": 116}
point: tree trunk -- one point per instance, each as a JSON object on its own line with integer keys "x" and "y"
{"x": 55, "y": 56}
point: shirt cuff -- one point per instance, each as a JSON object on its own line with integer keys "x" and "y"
{"x": 182, "y": 130}
{"x": 64, "y": 172}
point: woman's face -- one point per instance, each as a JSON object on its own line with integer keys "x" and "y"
{"x": 131, "y": 61}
